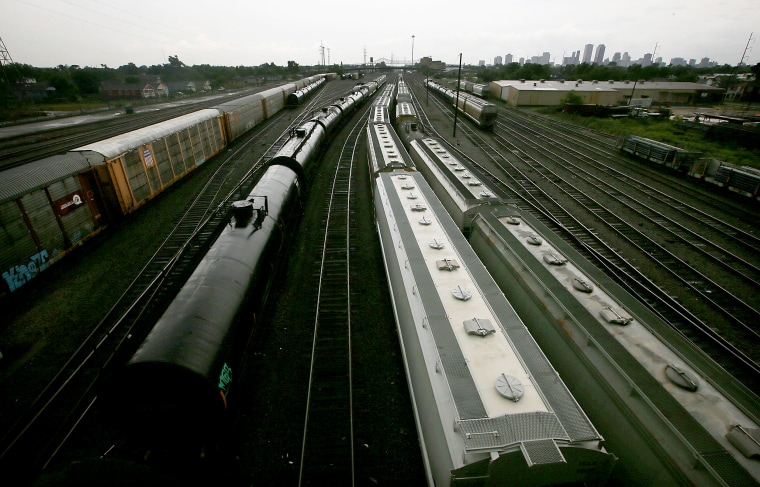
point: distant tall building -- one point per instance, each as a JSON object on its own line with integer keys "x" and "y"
{"x": 599, "y": 56}
{"x": 542, "y": 59}
{"x": 587, "y": 53}
{"x": 626, "y": 60}
{"x": 616, "y": 58}
{"x": 497, "y": 61}
{"x": 706, "y": 63}
{"x": 482, "y": 62}
{"x": 508, "y": 59}
{"x": 573, "y": 59}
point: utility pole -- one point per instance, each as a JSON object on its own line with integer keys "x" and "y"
{"x": 654, "y": 53}
{"x": 412, "y": 51}
{"x": 456, "y": 99}
{"x": 741, "y": 61}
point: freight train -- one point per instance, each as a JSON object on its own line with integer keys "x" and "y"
{"x": 481, "y": 112}
{"x": 479, "y": 89}
{"x": 666, "y": 410}
{"x": 743, "y": 180}
{"x": 54, "y": 205}
{"x": 489, "y": 407}
{"x": 171, "y": 400}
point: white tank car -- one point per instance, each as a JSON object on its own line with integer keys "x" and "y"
{"x": 661, "y": 403}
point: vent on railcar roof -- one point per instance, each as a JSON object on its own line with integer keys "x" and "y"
{"x": 479, "y": 326}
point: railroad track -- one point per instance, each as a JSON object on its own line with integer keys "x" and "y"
{"x": 608, "y": 158}
{"x": 17, "y": 151}
{"x": 666, "y": 241}
{"x": 327, "y": 449}
{"x": 552, "y": 210}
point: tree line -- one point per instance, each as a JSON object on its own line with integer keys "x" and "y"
{"x": 588, "y": 71}
{"x": 75, "y": 82}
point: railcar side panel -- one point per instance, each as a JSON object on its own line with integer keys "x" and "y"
{"x": 17, "y": 260}
{"x": 242, "y": 115}
{"x": 40, "y": 226}
{"x": 134, "y": 174}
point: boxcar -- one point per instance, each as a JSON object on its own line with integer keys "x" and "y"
{"x": 134, "y": 167}
{"x": 46, "y": 208}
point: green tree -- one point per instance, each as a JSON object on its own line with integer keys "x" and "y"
{"x": 87, "y": 80}
{"x": 174, "y": 62}
{"x": 571, "y": 98}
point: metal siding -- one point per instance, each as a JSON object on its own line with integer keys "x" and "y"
{"x": 197, "y": 145}
{"x": 175, "y": 155}
{"x": 78, "y": 224}
{"x": 44, "y": 222}
{"x": 215, "y": 137}
{"x": 242, "y": 115}
{"x": 186, "y": 144}
{"x": 61, "y": 188}
{"x": 150, "y": 164}
{"x": 163, "y": 161}
{"x": 138, "y": 180}
{"x": 17, "y": 244}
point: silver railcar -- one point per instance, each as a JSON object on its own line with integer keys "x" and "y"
{"x": 489, "y": 407}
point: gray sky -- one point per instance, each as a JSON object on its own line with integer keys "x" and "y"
{"x": 47, "y": 33}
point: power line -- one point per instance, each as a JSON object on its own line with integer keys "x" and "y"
{"x": 110, "y": 28}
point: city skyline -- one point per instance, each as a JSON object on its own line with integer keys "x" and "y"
{"x": 620, "y": 58}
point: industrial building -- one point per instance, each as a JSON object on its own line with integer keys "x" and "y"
{"x": 550, "y": 92}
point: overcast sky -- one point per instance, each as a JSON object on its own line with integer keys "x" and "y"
{"x": 48, "y": 33}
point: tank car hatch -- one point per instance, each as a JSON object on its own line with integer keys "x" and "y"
{"x": 447, "y": 264}
{"x": 510, "y": 387}
{"x": 480, "y": 327}
{"x": 746, "y": 440}
{"x": 681, "y": 378}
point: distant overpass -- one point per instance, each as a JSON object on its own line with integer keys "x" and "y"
{"x": 394, "y": 63}
{"x": 391, "y": 63}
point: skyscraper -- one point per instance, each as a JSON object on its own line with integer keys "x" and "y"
{"x": 587, "y": 53}
{"x": 599, "y": 57}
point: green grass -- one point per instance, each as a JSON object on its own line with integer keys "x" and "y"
{"x": 668, "y": 132}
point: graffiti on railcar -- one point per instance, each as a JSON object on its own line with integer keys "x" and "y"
{"x": 20, "y": 274}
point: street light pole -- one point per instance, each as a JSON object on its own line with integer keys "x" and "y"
{"x": 412, "y": 50}
{"x": 456, "y": 98}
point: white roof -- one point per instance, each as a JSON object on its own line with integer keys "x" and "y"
{"x": 605, "y": 85}
{"x": 120, "y": 144}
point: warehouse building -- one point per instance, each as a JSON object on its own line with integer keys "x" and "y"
{"x": 547, "y": 93}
